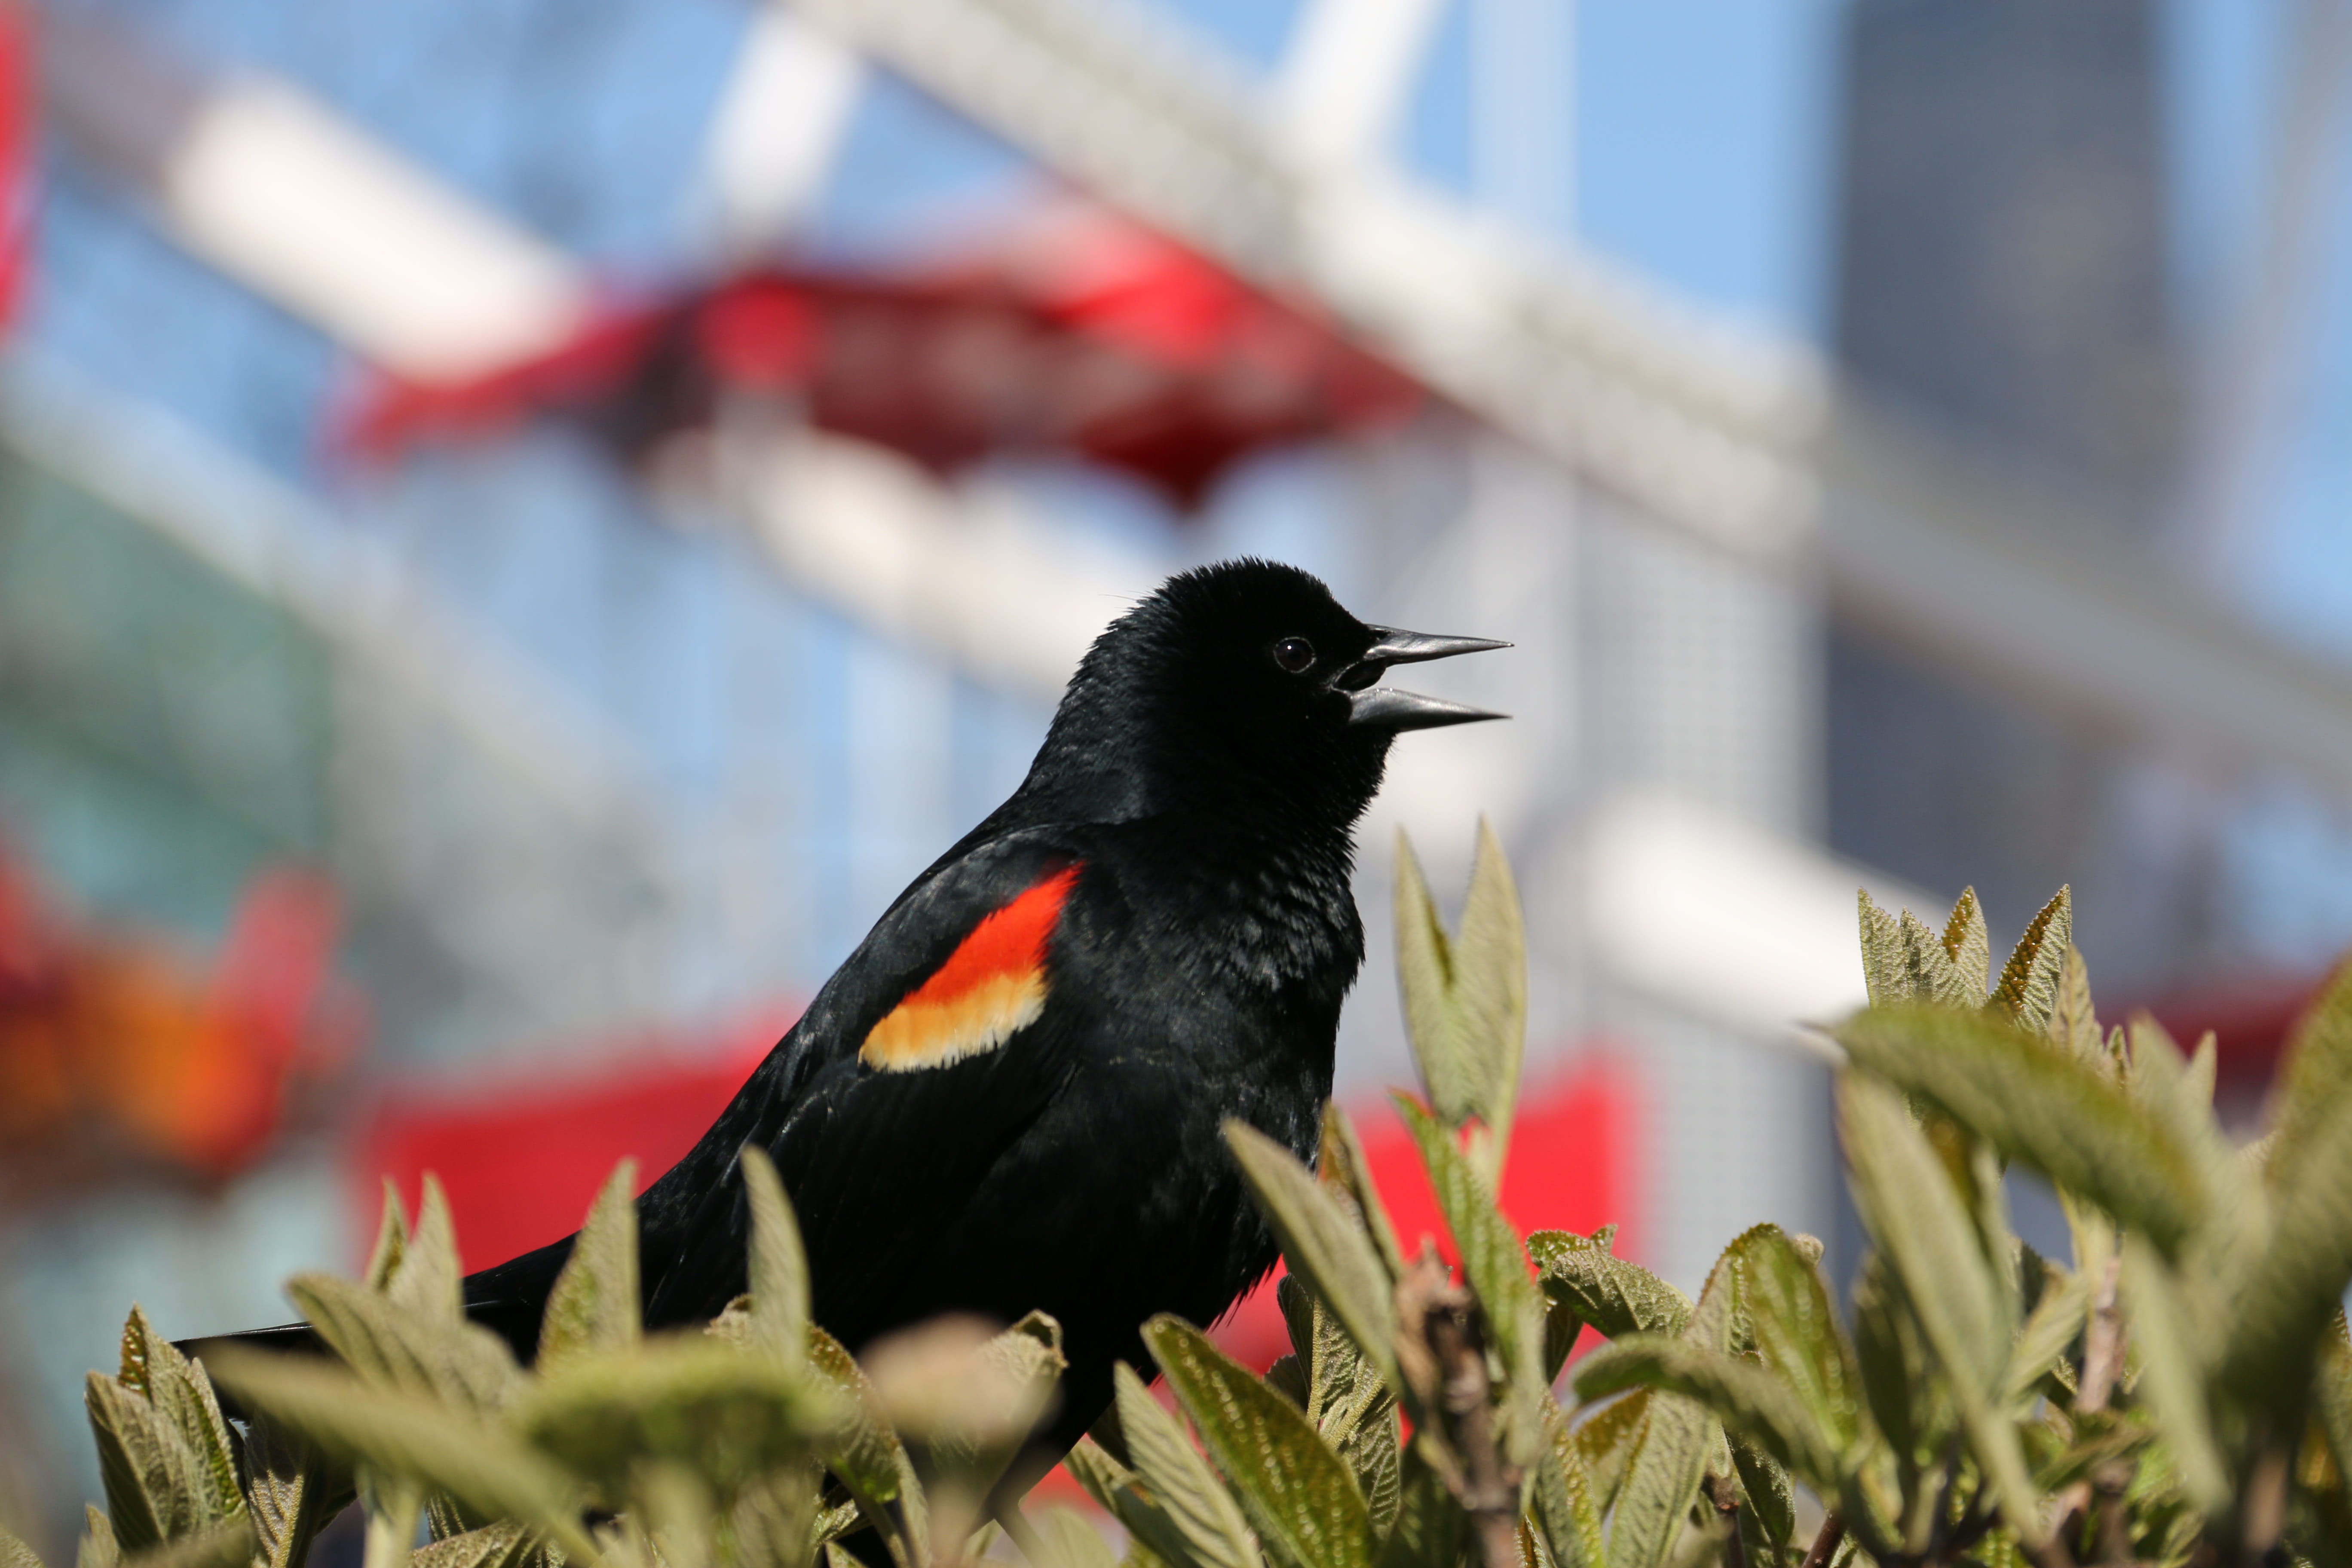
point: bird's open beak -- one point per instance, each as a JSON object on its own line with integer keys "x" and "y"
{"x": 1384, "y": 707}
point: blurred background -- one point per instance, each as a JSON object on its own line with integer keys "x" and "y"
{"x": 524, "y": 522}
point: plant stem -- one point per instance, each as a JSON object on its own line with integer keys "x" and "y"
{"x": 1825, "y": 1545}
{"x": 2101, "y": 1340}
{"x": 1725, "y": 1500}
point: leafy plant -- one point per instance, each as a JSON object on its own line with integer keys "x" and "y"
{"x": 2179, "y": 1394}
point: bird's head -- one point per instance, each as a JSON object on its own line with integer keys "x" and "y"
{"x": 1247, "y": 680}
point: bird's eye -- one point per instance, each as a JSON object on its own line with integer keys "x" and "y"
{"x": 1294, "y": 654}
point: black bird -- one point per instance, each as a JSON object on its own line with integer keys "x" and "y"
{"x": 1008, "y": 1098}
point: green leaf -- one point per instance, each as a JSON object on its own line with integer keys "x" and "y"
{"x": 1018, "y": 1374}
{"x": 2285, "y": 1301}
{"x": 2036, "y": 1105}
{"x": 686, "y": 1399}
{"x": 861, "y": 1449}
{"x": 1884, "y": 967}
{"x": 774, "y": 1522}
{"x": 390, "y": 1241}
{"x": 1661, "y": 1480}
{"x": 154, "y": 1483}
{"x": 182, "y": 1397}
{"x": 1204, "y": 1526}
{"x": 2179, "y": 1098}
{"x": 392, "y": 1346}
{"x": 1606, "y": 1441}
{"x": 2049, "y": 1329}
{"x": 2074, "y": 1022}
{"x": 1102, "y": 1477}
{"x": 1743, "y": 1396}
{"x": 1968, "y": 946}
{"x": 1430, "y": 1528}
{"x": 295, "y": 1488}
{"x": 1343, "y": 1163}
{"x": 1303, "y": 1502}
{"x": 1905, "y": 961}
{"x": 1567, "y": 1511}
{"x": 1322, "y": 1245}
{"x": 1495, "y": 1265}
{"x": 225, "y": 1544}
{"x": 1612, "y": 1295}
{"x": 99, "y": 1549}
{"x": 1068, "y": 1541}
{"x": 1897, "y": 1383}
{"x": 15, "y": 1553}
{"x": 1794, "y": 1323}
{"x": 503, "y": 1544}
{"x": 2028, "y": 991}
{"x": 595, "y": 1303}
{"x": 1907, "y": 1201}
{"x": 1770, "y": 1496}
{"x": 2315, "y": 1076}
{"x": 405, "y": 1433}
{"x": 1465, "y": 1000}
{"x": 778, "y": 1263}
{"x": 2166, "y": 1335}
{"x": 428, "y": 1279}
{"x": 1352, "y": 1408}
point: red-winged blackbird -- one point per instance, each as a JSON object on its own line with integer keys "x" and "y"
{"x": 1010, "y": 1097}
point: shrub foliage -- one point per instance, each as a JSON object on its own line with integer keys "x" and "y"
{"x": 2179, "y": 1392}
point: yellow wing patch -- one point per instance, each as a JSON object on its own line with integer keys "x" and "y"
{"x": 992, "y": 986}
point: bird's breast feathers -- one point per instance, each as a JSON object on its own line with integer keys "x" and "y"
{"x": 991, "y": 987}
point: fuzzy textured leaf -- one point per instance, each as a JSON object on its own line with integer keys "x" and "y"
{"x": 1206, "y": 1525}
{"x": 1966, "y": 945}
{"x": 1743, "y": 1396}
{"x": 15, "y": 1553}
{"x": 404, "y": 1433}
{"x": 1070, "y": 1541}
{"x": 502, "y": 1544}
{"x": 1301, "y": 1500}
{"x": 778, "y": 1263}
{"x": 861, "y": 1449}
{"x": 1493, "y": 1262}
{"x": 1907, "y": 1201}
{"x": 2028, "y": 991}
{"x": 1465, "y": 999}
{"x": 2039, "y": 1106}
{"x": 295, "y": 1490}
{"x": 153, "y": 1482}
{"x": 686, "y": 1399}
{"x": 392, "y": 1347}
{"x": 2173, "y": 1367}
{"x": 2285, "y": 1301}
{"x": 428, "y": 1276}
{"x": 1612, "y": 1295}
{"x": 1343, "y": 1163}
{"x": 1321, "y": 1243}
{"x": 1566, "y": 1507}
{"x": 595, "y": 1305}
{"x": 227, "y": 1544}
{"x": 1660, "y": 1481}
{"x": 1794, "y": 1323}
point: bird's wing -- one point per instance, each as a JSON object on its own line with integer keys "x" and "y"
{"x": 916, "y": 1067}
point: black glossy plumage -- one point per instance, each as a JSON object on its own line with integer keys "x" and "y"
{"x": 1197, "y": 972}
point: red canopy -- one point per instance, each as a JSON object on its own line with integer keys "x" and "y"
{"x": 1070, "y": 331}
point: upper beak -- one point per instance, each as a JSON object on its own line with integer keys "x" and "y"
{"x": 1386, "y": 708}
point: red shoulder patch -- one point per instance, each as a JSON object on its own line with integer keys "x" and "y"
{"x": 992, "y": 986}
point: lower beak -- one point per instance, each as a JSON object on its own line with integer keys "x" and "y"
{"x": 1385, "y": 707}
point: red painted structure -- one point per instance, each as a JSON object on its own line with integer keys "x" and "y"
{"x": 521, "y": 1161}
{"x": 1071, "y": 331}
